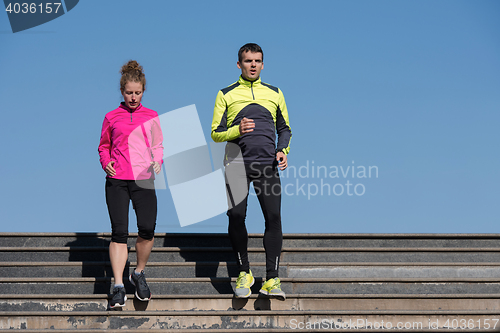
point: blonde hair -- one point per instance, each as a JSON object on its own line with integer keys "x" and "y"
{"x": 132, "y": 72}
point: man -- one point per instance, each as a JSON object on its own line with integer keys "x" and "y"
{"x": 247, "y": 115}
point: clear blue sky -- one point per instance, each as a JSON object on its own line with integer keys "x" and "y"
{"x": 409, "y": 87}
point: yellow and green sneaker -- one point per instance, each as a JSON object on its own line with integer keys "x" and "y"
{"x": 272, "y": 287}
{"x": 243, "y": 284}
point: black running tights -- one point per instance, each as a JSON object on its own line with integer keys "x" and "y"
{"x": 267, "y": 185}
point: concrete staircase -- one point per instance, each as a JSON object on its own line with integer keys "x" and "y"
{"x": 390, "y": 282}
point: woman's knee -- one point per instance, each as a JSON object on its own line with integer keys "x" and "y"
{"x": 147, "y": 232}
{"x": 119, "y": 236}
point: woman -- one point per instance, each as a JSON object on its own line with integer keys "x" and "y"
{"x": 131, "y": 152}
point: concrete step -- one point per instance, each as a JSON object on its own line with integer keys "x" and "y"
{"x": 217, "y": 269}
{"x": 241, "y": 320}
{"x": 255, "y": 240}
{"x": 270, "y": 330}
{"x": 225, "y": 254}
{"x": 61, "y": 282}
{"x": 211, "y": 286}
{"x": 294, "y": 302}
{"x": 206, "y": 330}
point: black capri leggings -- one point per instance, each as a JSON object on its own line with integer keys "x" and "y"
{"x": 118, "y": 195}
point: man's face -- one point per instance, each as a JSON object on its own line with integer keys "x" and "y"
{"x": 251, "y": 64}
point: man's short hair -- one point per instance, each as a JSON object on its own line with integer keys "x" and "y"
{"x": 252, "y": 47}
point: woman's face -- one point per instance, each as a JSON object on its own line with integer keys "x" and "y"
{"x": 132, "y": 94}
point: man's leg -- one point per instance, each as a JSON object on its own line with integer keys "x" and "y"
{"x": 268, "y": 189}
{"x": 237, "y": 185}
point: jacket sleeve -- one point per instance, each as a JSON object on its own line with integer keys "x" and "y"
{"x": 105, "y": 144}
{"x": 220, "y": 130}
{"x": 157, "y": 141}
{"x": 283, "y": 126}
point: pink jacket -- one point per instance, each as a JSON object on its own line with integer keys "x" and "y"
{"x": 123, "y": 141}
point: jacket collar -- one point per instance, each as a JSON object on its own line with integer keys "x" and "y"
{"x": 126, "y": 108}
{"x": 247, "y": 83}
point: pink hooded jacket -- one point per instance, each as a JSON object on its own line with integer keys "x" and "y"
{"x": 133, "y": 139}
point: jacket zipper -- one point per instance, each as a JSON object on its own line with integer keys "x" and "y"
{"x": 251, "y": 88}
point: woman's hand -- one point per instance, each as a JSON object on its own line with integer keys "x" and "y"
{"x": 156, "y": 167}
{"x": 110, "y": 170}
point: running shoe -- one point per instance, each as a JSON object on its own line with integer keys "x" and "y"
{"x": 243, "y": 283}
{"x": 118, "y": 299}
{"x": 272, "y": 287}
{"x": 142, "y": 291}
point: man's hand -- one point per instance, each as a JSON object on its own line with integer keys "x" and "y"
{"x": 282, "y": 160}
{"x": 110, "y": 170}
{"x": 156, "y": 167}
{"x": 246, "y": 126}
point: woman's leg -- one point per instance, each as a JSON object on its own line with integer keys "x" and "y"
{"x": 144, "y": 201}
{"x": 118, "y": 201}
{"x": 118, "y": 254}
{"x": 143, "y": 248}
{"x": 145, "y": 204}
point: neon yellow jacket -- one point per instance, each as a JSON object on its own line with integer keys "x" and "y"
{"x": 264, "y": 104}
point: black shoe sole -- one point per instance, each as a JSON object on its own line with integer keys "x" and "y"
{"x": 137, "y": 296}
{"x": 142, "y": 299}
{"x": 118, "y": 305}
